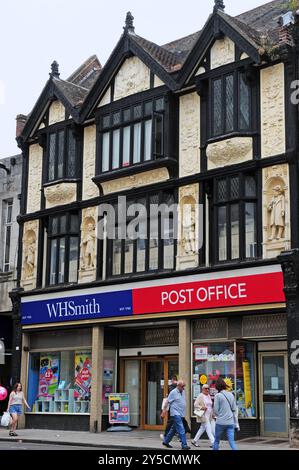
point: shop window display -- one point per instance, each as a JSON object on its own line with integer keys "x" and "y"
{"x": 60, "y": 382}
{"x": 234, "y": 363}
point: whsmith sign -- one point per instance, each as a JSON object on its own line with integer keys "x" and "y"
{"x": 171, "y": 295}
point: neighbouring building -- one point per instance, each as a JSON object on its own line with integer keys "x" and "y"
{"x": 204, "y": 120}
{"x": 10, "y": 189}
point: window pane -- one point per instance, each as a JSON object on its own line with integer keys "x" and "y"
{"x": 52, "y": 150}
{"x": 141, "y": 248}
{"x": 229, "y": 105}
{"x": 217, "y": 107}
{"x": 74, "y": 224}
{"x": 137, "y": 143}
{"x": 158, "y": 148}
{"x": 115, "y": 154}
{"x": 63, "y": 221}
{"x": 129, "y": 250}
{"x": 73, "y": 264}
{"x": 250, "y": 230}
{"x": 244, "y": 117}
{"x": 53, "y": 257}
{"x": 116, "y": 118}
{"x": 148, "y": 108}
{"x": 54, "y": 225}
{"x": 71, "y": 162}
{"x": 137, "y": 112}
{"x": 61, "y": 262}
{"x": 222, "y": 190}
{"x": 160, "y": 104}
{"x": 153, "y": 242}
{"x": 105, "y": 151}
{"x": 127, "y": 115}
{"x": 60, "y": 154}
{"x": 116, "y": 255}
{"x": 222, "y": 247}
{"x": 234, "y": 220}
{"x": 126, "y": 145}
{"x": 168, "y": 246}
{"x": 7, "y": 248}
{"x": 147, "y": 139}
{"x": 234, "y": 187}
{"x": 9, "y": 212}
{"x": 250, "y": 186}
{"x": 106, "y": 121}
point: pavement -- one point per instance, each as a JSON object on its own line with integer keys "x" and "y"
{"x": 135, "y": 439}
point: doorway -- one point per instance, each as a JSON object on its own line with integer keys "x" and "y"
{"x": 147, "y": 381}
{"x": 274, "y": 394}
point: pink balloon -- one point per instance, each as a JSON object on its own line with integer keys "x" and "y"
{"x": 3, "y": 393}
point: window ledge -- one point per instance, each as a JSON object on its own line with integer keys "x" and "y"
{"x": 60, "y": 181}
{"x": 169, "y": 163}
{"x": 229, "y": 136}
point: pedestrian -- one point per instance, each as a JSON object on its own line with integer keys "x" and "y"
{"x": 177, "y": 404}
{"x": 16, "y": 400}
{"x": 204, "y": 403}
{"x": 224, "y": 409}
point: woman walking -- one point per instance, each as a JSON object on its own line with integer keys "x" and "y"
{"x": 204, "y": 403}
{"x": 16, "y": 400}
{"x": 225, "y": 409}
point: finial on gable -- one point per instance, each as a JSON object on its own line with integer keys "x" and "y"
{"x": 219, "y": 5}
{"x": 129, "y": 28}
{"x": 54, "y": 70}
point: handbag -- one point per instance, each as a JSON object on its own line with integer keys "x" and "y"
{"x": 6, "y": 419}
{"x": 199, "y": 413}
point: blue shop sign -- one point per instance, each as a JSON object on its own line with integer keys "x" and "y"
{"x": 83, "y": 307}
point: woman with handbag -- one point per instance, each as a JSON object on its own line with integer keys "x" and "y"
{"x": 225, "y": 410}
{"x": 203, "y": 410}
{"x": 15, "y": 405}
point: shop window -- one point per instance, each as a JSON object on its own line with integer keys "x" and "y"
{"x": 109, "y": 377}
{"x": 60, "y": 382}
{"x": 235, "y": 218}
{"x": 132, "y": 135}
{"x": 232, "y": 362}
{"x": 62, "y": 155}
{"x": 63, "y": 248}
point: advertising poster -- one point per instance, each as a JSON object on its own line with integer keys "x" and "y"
{"x": 48, "y": 375}
{"x": 82, "y": 375}
{"x": 247, "y": 386}
{"x": 119, "y": 408}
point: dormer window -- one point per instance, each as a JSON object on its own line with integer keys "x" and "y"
{"x": 132, "y": 135}
{"x": 62, "y": 155}
{"x": 230, "y": 104}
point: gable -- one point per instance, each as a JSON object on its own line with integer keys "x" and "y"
{"x": 133, "y": 77}
{"x": 222, "y": 52}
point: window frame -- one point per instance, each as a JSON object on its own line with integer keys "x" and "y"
{"x": 56, "y": 130}
{"x": 161, "y": 242}
{"x": 228, "y": 202}
{"x": 67, "y": 235}
{"x": 7, "y": 204}
{"x": 109, "y": 111}
{"x": 237, "y": 73}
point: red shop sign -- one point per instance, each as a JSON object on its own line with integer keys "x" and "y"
{"x": 254, "y": 289}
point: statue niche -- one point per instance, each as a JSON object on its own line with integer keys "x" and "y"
{"x": 29, "y": 254}
{"x": 276, "y": 211}
{"x": 88, "y": 244}
{"x": 188, "y": 225}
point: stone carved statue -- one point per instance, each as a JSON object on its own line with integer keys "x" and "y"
{"x": 276, "y": 207}
{"x": 29, "y": 256}
{"x": 189, "y": 225}
{"x": 88, "y": 244}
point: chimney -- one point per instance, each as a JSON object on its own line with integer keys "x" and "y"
{"x": 285, "y": 36}
{"x": 21, "y": 121}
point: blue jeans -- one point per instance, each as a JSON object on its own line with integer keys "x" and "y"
{"x": 230, "y": 432}
{"x": 178, "y": 428}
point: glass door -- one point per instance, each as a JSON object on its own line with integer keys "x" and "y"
{"x": 132, "y": 386}
{"x": 274, "y": 394}
{"x": 154, "y": 393}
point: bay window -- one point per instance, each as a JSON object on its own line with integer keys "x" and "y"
{"x": 132, "y": 135}
{"x": 62, "y": 155}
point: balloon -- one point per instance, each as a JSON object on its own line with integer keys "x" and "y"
{"x": 3, "y": 393}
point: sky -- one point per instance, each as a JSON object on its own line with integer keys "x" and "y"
{"x": 33, "y": 33}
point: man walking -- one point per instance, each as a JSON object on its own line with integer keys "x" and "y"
{"x": 177, "y": 403}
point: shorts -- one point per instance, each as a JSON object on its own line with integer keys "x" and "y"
{"x": 16, "y": 409}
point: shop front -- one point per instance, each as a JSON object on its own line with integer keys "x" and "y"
{"x": 86, "y": 344}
